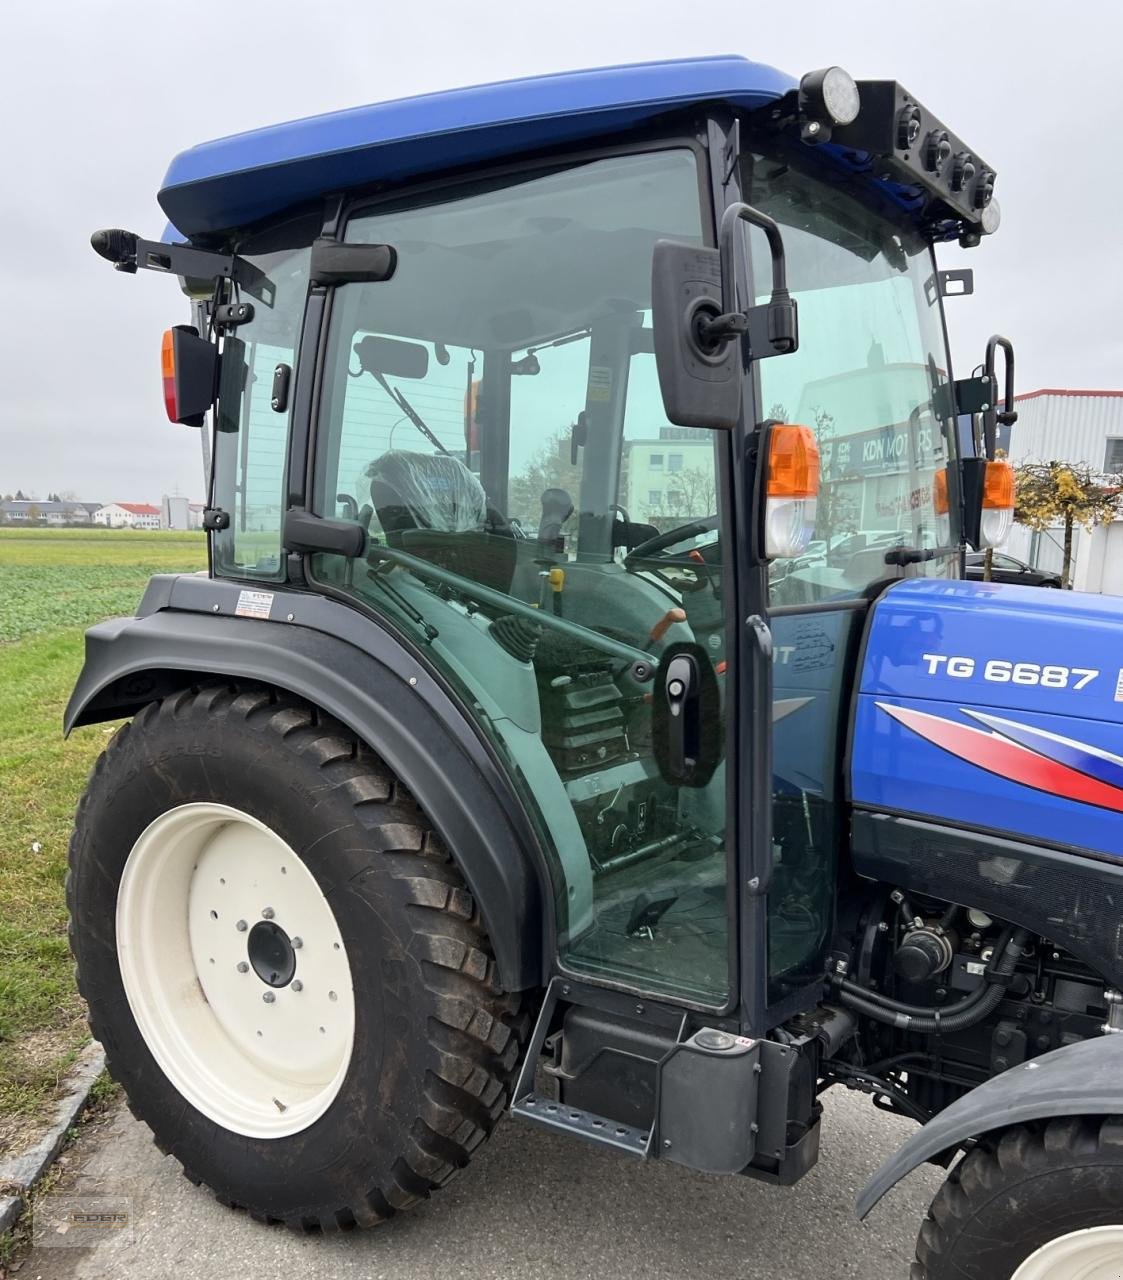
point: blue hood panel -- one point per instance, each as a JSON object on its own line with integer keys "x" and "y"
{"x": 996, "y": 707}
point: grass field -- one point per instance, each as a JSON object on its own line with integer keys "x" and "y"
{"x": 53, "y": 584}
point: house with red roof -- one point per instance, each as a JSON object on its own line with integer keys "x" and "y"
{"x": 128, "y": 515}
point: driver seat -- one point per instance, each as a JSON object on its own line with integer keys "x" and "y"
{"x": 431, "y": 506}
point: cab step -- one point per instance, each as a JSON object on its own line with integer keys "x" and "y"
{"x": 583, "y": 1124}
{"x": 529, "y": 1104}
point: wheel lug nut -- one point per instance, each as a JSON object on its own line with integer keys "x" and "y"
{"x": 268, "y": 913}
{"x": 243, "y": 967}
{"x": 297, "y": 985}
{"x": 269, "y": 997}
{"x": 241, "y": 926}
{"x": 297, "y": 943}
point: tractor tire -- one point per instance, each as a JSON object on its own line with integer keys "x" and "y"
{"x": 1034, "y": 1202}
{"x": 289, "y": 976}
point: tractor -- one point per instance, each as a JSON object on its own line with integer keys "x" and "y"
{"x": 585, "y": 715}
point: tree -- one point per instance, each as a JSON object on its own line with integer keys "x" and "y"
{"x": 549, "y": 468}
{"x": 1065, "y": 493}
{"x": 691, "y": 494}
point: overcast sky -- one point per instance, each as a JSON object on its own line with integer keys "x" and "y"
{"x": 96, "y": 98}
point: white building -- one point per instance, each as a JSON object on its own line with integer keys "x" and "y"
{"x": 128, "y": 515}
{"x": 32, "y": 511}
{"x": 1080, "y": 427}
{"x": 670, "y": 475}
{"x": 177, "y": 512}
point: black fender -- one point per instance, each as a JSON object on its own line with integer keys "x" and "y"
{"x": 1083, "y": 1079}
{"x": 343, "y": 662}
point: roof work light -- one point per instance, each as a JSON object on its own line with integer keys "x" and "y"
{"x": 827, "y": 98}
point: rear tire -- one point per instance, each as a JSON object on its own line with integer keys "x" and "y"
{"x": 424, "y": 1070}
{"x": 1040, "y": 1202}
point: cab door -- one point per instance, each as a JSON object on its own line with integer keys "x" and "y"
{"x": 541, "y": 535}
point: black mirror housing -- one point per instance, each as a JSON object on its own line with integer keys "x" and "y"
{"x": 699, "y": 329}
{"x": 700, "y": 382}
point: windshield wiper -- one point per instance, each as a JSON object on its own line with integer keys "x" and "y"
{"x": 411, "y": 413}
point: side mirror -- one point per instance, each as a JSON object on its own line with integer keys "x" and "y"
{"x": 987, "y": 485}
{"x": 189, "y": 368}
{"x": 697, "y": 325}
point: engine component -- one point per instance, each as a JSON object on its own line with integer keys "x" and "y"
{"x": 923, "y": 953}
{"x": 966, "y": 1013}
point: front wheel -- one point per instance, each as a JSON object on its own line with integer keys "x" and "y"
{"x": 288, "y": 974}
{"x": 1038, "y": 1202}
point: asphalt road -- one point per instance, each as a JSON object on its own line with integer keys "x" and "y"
{"x": 532, "y": 1205}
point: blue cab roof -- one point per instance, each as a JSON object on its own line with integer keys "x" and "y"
{"x": 241, "y": 179}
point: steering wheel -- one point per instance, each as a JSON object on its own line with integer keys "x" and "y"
{"x": 652, "y": 549}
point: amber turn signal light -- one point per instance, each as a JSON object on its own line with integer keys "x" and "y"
{"x": 793, "y": 462}
{"x": 791, "y": 491}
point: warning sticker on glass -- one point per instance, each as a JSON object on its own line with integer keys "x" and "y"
{"x": 1119, "y": 687}
{"x": 254, "y": 604}
{"x": 600, "y": 385}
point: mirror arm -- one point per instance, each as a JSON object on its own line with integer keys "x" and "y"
{"x": 773, "y": 325}
{"x": 129, "y": 253}
{"x": 1007, "y": 415}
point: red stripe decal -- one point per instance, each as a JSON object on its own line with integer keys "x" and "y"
{"x": 1008, "y": 759}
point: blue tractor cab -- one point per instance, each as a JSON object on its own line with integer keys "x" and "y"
{"x": 584, "y": 715}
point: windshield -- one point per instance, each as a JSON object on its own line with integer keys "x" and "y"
{"x": 871, "y": 353}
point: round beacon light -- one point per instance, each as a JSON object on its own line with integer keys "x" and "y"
{"x": 984, "y": 189}
{"x": 937, "y": 150}
{"x": 962, "y": 171}
{"x": 908, "y": 128}
{"x": 829, "y": 95}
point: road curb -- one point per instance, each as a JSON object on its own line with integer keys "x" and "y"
{"x": 19, "y": 1174}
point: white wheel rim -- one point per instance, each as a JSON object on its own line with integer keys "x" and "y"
{"x": 256, "y": 1054}
{"x": 1094, "y": 1254}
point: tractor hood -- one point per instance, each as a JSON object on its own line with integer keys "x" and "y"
{"x": 995, "y": 707}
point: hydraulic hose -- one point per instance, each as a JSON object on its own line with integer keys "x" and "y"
{"x": 957, "y": 1017}
{"x": 924, "y": 1011}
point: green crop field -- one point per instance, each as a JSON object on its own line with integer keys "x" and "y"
{"x": 53, "y": 584}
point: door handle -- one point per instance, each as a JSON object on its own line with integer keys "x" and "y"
{"x": 309, "y": 534}
{"x": 680, "y": 691}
